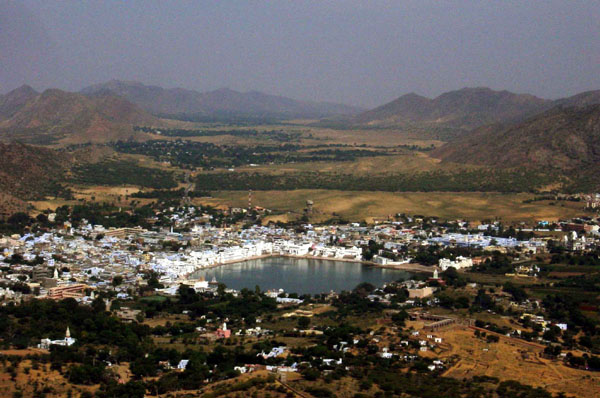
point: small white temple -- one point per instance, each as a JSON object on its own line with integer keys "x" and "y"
{"x": 66, "y": 342}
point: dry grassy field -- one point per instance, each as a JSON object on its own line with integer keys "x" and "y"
{"x": 312, "y": 135}
{"x": 358, "y": 206}
{"x": 379, "y": 137}
{"x": 116, "y": 195}
{"x": 28, "y": 378}
{"x": 354, "y": 205}
{"x": 404, "y": 163}
{"x": 510, "y": 359}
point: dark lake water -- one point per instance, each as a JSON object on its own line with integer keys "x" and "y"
{"x": 299, "y": 275}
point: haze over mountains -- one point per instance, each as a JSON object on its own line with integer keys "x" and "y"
{"x": 108, "y": 112}
{"x": 496, "y": 128}
{"x": 179, "y": 102}
{"x": 12, "y": 102}
{"x": 467, "y": 108}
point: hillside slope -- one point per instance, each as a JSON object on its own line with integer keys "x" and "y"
{"x": 463, "y": 109}
{"x": 56, "y": 115}
{"x": 178, "y": 102}
{"x": 13, "y": 101}
{"x": 564, "y": 138}
{"x": 28, "y": 172}
{"x": 582, "y": 99}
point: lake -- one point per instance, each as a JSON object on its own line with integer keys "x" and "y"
{"x": 299, "y": 275}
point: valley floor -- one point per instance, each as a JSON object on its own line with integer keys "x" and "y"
{"x": 369, "y": 206}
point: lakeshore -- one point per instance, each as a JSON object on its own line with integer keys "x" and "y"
{"x": 407, "y": 267}
{"x": 411, "y": 267}
{"x": 301, "y": 275}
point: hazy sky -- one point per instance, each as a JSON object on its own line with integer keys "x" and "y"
{"x": 350, "y": 51}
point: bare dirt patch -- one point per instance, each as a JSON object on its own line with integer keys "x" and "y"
{"x": 509, "y": 359}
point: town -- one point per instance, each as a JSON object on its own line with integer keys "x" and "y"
{"x": 299, "y": 199}
{"x": 467, "y": 280}
{"x": 68, "y": 258}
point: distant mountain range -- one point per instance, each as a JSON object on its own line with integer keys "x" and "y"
{"x": 497, "y": 128}
{"x": 108, "y": 112}
{"x": 186, "y": 104}
{"x": 57, "y": 115}
{"x": 467, "y": 108}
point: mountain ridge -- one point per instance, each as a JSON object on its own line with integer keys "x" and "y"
{"x": 56, "y": 115}
{"x": 179, "y": 101}
{"x": 13, "y": 101}
{"x": 562, "y": 138}
{"x": 465, "y": 108}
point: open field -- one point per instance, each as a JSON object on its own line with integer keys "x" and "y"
{"x": 411, "y": 162}
{"x": 311, "y": 135}
{"x": 114, "y": 194}
{"x": 107, "y": 191}
{"x": 349, "y": 205}
{"x": 358, "y": 206}
{"x": 510, "y": 359}
{"x": 49, "y": 204}
{"x": 355, "y": 205}
{"x": 372, "y": 136}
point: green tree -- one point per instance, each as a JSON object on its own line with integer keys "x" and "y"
{"x": 303, "y": 322}
{"x": 117, "y": 280}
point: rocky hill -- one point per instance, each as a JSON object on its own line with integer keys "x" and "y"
{"x": 563, "y": 138}
{"x": 183, "y": 103}
{"x": 461, "y": 109}
{"x": 13, "y": 101}
{"x": 59, "y": 116}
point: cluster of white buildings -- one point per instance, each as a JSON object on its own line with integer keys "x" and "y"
{"x": 177, "y": 265}
{"x": 482, "y": 241}
{"x": 93, "y": 256}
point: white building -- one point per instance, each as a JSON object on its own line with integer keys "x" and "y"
{"x": 459, "y": 263}
{"x": 66, "y": 342}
